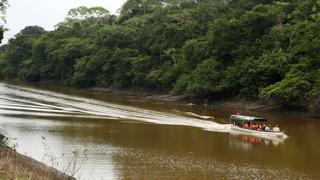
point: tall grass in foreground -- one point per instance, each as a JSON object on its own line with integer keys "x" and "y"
{"x": 16, "y": 166}
{"x": 72, "y": 166}
{"x": 12, "y": 168}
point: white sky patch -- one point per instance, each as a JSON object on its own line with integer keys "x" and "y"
{"x": 47, "y": 13}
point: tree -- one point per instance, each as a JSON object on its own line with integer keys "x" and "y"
{"x": 88, "y": 68}
{"x": 115, "y": 36}
{"x": 19, "y": 49}
{"x": 3, "y": 7}
{"x": 132, "y": 8}
{"x": 205, "y": 79}
{"x": 87, "y": 17}
{"x": 256, "y": 49}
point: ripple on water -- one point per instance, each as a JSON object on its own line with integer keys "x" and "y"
{"x": 139, "y": 164}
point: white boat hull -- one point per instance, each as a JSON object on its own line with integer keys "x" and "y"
{"x": 263, "y": 134}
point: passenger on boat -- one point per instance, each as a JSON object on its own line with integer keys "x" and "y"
{"x": 276, "y": 129}
{"x": 267, "y": 128}
{"x": 264, "y": 127}
{"x": 259, "y": 127}
{"x": 255, "y": 126}
{"x": 246, "y": 125}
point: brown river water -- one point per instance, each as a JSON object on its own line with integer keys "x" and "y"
{"x": 95, "y": 135}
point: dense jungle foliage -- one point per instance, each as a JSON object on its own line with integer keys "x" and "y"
{"x": 258, "y": 49}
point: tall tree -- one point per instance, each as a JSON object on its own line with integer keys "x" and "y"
{"x": 3, "y": 8}
{"x": 209, "y": 48}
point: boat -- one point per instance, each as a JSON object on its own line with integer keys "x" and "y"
{"x": 251, "y": 125}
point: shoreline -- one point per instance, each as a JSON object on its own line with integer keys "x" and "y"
{"x": 180, "y": 99}
{"x": 184, "y": 99}
{"x": 14, "y": 165}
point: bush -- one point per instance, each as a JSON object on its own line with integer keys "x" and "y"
{"x": 206, "y": 78}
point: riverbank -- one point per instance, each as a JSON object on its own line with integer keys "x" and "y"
{"x": 237, "y": 103}
{"x": 143, "y": 93}
{"x": 16, "y": 166}
{"x": 312, "y": 111}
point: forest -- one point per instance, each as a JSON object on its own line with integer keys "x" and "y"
{"x": 208, "y": 49}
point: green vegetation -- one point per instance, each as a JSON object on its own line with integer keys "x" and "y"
{"x": 258, "y": 49}
{"x": 3, "y": 8}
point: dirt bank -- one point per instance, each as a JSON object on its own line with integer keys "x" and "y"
{"x": 188, "y": 100}
{"x": 16, "y": 166}
{"x": 234, "y": 103}
{"x": 313, "y": 110}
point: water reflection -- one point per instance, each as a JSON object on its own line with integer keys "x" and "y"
{"x": 247, "y": 142}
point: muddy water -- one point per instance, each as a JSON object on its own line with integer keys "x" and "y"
{"x": 106, "y": 136}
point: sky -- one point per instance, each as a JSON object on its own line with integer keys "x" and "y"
{"x": 47, "y": 13}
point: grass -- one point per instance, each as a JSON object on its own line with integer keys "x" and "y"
{"x": 18, "y": 167}
{"x": 72, "y": 167}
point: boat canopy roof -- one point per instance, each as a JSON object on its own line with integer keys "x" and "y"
{"x": 246, "y": 118}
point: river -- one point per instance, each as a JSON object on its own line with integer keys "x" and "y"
{"x": 99, "y": 135}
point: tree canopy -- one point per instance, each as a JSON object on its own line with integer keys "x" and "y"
{"x": 257, "y": 49}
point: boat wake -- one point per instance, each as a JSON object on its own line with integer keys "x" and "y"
{"x": 21, "y": 101}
